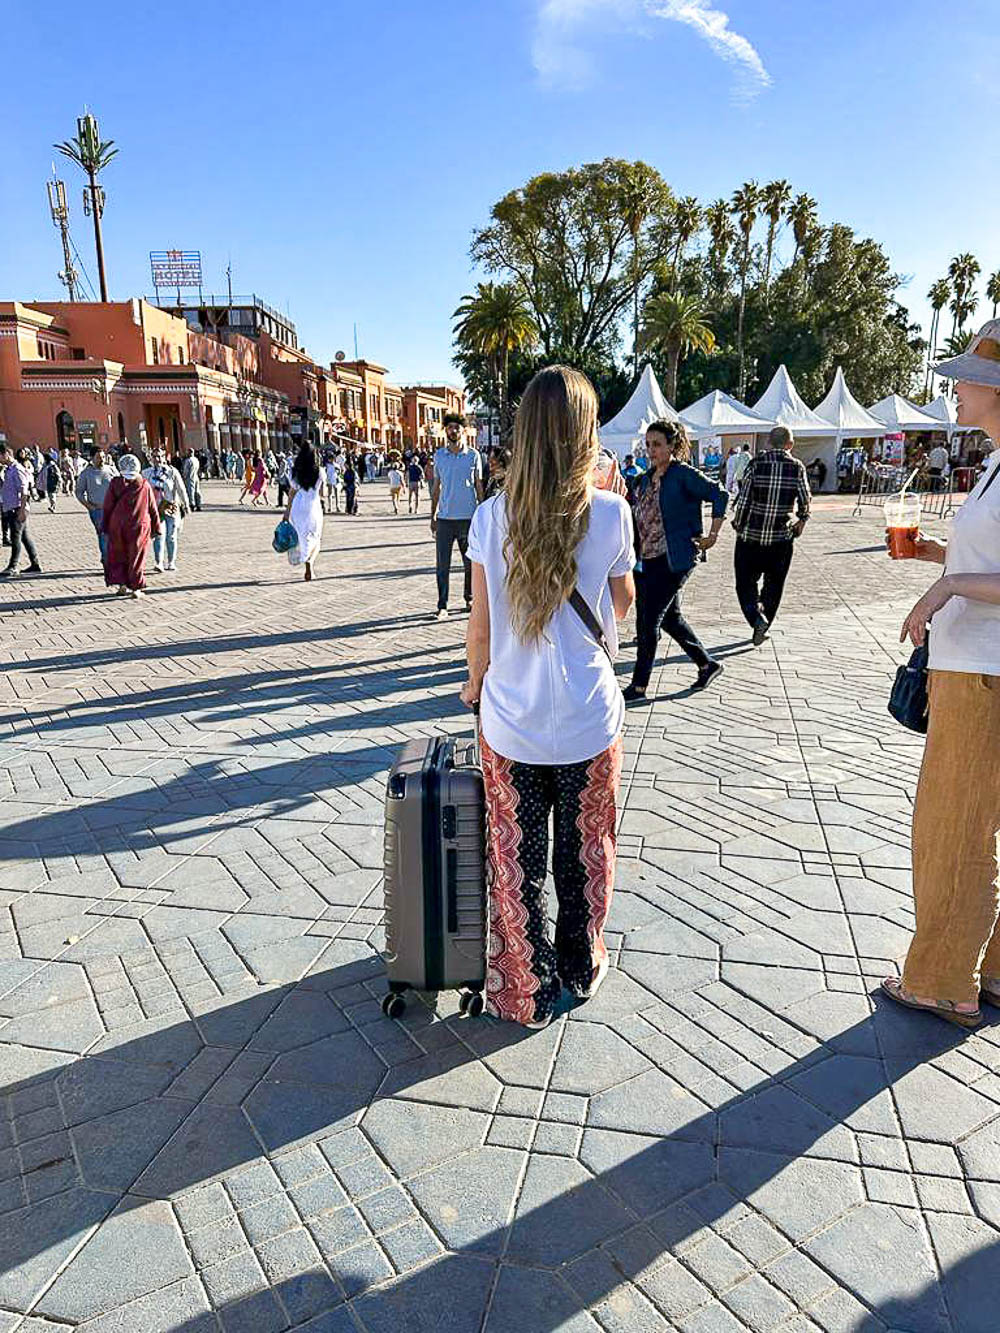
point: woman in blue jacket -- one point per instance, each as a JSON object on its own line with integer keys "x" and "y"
{"x": 666, "y": 503}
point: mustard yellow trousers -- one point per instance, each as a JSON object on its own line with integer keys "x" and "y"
{"x": 956, "y": 820}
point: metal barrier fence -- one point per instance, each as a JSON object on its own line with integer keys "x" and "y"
{"x": 880, "y": 480}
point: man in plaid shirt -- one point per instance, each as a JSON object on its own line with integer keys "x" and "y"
{"x": 774, "y": 490}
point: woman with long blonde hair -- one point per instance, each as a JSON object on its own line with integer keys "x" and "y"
{"x": 540, "y": 665}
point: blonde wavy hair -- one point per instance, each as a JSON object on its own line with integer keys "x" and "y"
{"x": 548, "y": 487}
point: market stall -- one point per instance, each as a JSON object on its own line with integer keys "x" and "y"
{"x": 626, "y": 432}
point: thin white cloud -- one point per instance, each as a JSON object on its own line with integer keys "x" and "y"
{"x": 562, "y": 59}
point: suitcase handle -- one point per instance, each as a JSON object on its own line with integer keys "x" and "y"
{"x": 451, "y": 881}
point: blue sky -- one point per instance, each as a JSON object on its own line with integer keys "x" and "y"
{"x": 340, "y": 154}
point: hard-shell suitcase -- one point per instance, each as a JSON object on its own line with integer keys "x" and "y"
{"x": 435, "y": 873}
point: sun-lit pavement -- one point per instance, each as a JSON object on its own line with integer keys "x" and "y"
{"x": 207, "y": 1122}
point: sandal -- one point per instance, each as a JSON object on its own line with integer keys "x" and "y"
{"x": 989, "y": 990}
{"x": 946, "y": 1009}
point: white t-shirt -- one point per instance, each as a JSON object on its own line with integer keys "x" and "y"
{"x": 331, "y": 473}
{"x": 395, "y": 479}
{"x": 965, "y": 635}
{"x": 555, "y": 701}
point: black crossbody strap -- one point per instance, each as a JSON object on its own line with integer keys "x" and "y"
{"x": 992, "y": 479}
{"x": 579, "y": 605}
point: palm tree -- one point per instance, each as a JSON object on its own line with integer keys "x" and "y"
{"x": 642, "y": 191}
{"x": 687, "y": 223}
{"x": 963, "y": 271}
{"x": 938, "y": 297}
{"x": 719, "y": 221}
{"x": 92, "y": 155}
{"x": 802, "y": 215}
{"x": 993, "y": 291}
{"x": 493, "y": 323}
{"x": 674, "y": 324}
{"x": 744, "y": 204}
{"x": 775, "y": 199}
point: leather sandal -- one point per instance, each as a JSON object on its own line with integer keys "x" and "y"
{"x": 989, "y": 990}
{"x": 946, "y": 1009}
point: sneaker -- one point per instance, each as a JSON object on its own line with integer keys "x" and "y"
{"x": 443, "y": 613}
{"x": 157, "y": 568}
{"x": 760, "y": 629}
{"x": 600, "y": 972}
{"x": 171, "y": 567}
{"x": 707, "y": 674}
{"x": 9, "y": 573}
{"x": 632, "y": 692}
{"x": 136, "y": 593}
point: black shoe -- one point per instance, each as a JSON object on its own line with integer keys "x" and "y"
{"x": 707, "y": 674}
{"x": 34, "y": 568}
{"x": 8, "y": 573}
{"x": 632, "y": 692}
{"x": 760, "y": 629}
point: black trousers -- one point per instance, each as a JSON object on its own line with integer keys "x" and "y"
{"x": 760, "y": 577}
{"x": 5, "y": 517}
{"x": 450, "y": 531}
{"x": 658, "y": 606}
{"x": 19, "y": 534}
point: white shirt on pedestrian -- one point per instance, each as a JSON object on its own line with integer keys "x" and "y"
{"x": 965, "y": 634}
{"x": 395, "y": 479}
{"x": 555, "y": 701}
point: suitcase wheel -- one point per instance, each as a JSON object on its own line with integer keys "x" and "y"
{"x": 393, "y": 1005}
{"x": 472, "y": 1003}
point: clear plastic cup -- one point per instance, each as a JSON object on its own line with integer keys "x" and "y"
{"x": 902, "y": 526}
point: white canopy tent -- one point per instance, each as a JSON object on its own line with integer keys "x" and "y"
{"x": 898, "y": 416}
{"x": 625, "y": 432}
{"x": 719, "y": 414}
{"x": 841, "y": 409}
{"x": 815, "y": 438}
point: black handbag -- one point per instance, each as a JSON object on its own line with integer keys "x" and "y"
{"x": 908, "y": 702}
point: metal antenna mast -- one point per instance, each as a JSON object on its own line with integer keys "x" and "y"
{"x": 60, "y": 219}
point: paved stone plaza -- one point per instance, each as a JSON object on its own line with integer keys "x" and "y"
{"x": 208, "y": 1124}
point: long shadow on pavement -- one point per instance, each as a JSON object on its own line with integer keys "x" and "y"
{"x": 151, "y": 1117}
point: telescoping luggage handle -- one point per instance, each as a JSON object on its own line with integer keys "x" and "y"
{"x": 579, "y": 604}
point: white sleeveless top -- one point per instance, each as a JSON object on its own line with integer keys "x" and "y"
{"x": 555, "y": 701}
{"x": 965, "y": 635}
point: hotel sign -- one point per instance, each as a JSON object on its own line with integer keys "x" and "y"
{"x": 175, "y": 268}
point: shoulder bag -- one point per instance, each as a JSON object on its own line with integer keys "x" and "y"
{"x": 579, "y": 605}
{"x": 908, "y": 702}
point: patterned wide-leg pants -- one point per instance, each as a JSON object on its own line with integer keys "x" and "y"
{"x": 526, "y": 969}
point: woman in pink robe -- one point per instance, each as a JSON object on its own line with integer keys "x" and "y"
{"x": 130, "y": 522}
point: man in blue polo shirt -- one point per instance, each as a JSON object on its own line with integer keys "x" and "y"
{"x": 457, "y": 489}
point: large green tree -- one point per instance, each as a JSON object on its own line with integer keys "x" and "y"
{"x": 580, "y": 244}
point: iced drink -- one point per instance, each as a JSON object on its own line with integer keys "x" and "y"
{"x": 902, "y": 525}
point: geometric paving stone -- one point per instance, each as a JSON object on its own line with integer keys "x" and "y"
{"x": 778, "y": 1120}
{"x": 934, "y": 1106}
{"x": 37, "y": 1240}
{"x": 136, "y": 1250}
{"x": 467, "y": 1202}
{"x": 863, "y": 1250}
{"x": 652, "y": 1104}
{"x": 451, "y": 1078}
{"x": 969, "y": 1254}
{"x": 593, "y": 1058}
{"x": 211, "y": 1141}
{"x": 113, "y": 1149}
{"x": 551, "y": 1226}
{"x": 95, "y": 1087}
{"x": 647, "y": 1173}
{"x": 449, "y": 1296}
{"x": 522, "y": 1295}
{"x": 412, "y": 1137}
{"x": 799, "y": 1195}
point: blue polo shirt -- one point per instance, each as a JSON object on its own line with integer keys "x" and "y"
{"x": 458, "y": 474}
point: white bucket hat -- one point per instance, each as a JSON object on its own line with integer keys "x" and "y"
{"x": 129, "y": 466}
{"x": 980, "y": 362}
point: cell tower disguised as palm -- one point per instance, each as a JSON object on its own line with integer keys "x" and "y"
{"x": 92, "y": 155}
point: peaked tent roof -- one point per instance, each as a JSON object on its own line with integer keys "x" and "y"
{"x": 718, "y": 413}
{"x": 897, "y": 414}
{"x": 841, "y": 409}
{"x": 780, "y": 402}
{"x": 942, "y": 409}
{"x": 646, "y": 404}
